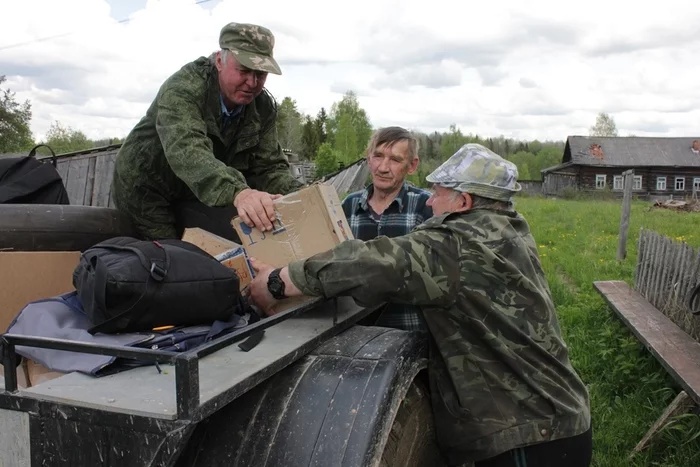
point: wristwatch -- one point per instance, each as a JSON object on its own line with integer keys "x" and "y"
{"x": 275, "y": 284}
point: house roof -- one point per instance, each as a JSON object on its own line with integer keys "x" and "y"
{"x": 556, "y": 167}
{"x": 349, "y": 179}
{"x": 631, "y": 151}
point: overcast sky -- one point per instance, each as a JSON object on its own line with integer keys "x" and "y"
{"x": 523, "y": 69}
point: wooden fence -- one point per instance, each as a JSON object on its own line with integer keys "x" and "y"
{"x": 531, "y": 187}
{"x": 556, "y": 183}
{"x": 88, "y": 176}
{"x": 667, "y": 272}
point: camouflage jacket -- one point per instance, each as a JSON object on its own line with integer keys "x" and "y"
{"x": 502, "y": 376}
{"x": 181, "y": 149}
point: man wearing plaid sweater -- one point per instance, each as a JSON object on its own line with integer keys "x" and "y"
{"x": 390, "y": 206}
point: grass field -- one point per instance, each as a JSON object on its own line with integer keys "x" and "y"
{"x": 578, "y": 242}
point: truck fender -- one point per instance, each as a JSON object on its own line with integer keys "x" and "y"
{"x": 335, "y": 406}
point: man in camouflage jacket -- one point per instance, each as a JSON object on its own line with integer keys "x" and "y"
{"x": 504, "y": 392}
{"x": 209, "y": 137}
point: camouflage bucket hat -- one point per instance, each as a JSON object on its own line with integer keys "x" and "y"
{"x": 252, "y": 45}
{"x": 477, "y": 170}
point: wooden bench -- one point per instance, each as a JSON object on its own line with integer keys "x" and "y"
{"x": 666, "y": 273}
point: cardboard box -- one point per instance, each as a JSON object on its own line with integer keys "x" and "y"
{"x": 38, "y": 373}
{"x": 207, "y": 241}
{"x": 27, "y": 276}
{"x": 216, "y": 246}
{"x": 31, "y": 275}
{"x": 309, "y": 221}
{"x": 238, "y": 260}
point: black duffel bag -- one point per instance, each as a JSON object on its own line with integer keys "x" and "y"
{"x": 127, "y": 285}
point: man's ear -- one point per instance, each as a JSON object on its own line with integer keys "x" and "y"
{"x": 219, "y": 62}
{"x": 465, "y": 202}
{"x": 413, "y": 166}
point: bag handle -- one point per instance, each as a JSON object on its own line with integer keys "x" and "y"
{"x": 155, "y": 272}
{"x": 32, "y": 153}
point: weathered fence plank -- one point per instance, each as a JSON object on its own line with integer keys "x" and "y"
{"x": 625, "y": 217}
{"x": 667, "y": 271}
{"x": 658, "y": 312}
{"x": 89, "y": 183}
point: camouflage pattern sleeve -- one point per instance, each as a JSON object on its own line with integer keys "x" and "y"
{"x": 269, "y": 170}
{"x": 190, "y": 154}
{"x": 421, "y": 268}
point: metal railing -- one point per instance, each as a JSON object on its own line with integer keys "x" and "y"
{"x": 186, "y": 363}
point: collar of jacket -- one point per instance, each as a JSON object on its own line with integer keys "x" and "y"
{"x": 369, "y": 190}
{"x": 225, "y": 111}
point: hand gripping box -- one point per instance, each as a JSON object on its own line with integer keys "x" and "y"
{"x": 309, "y": 221}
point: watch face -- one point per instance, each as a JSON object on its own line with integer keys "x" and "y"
{"x": 275, "y": 285}
{"x": 275, "y": 288}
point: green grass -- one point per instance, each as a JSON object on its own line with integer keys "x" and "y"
{"x": 629, "y": 389}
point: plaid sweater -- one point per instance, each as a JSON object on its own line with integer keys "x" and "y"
{"x": 405, "y": 212}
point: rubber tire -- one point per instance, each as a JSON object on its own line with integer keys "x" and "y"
{"x": 411, "y": 442}
{"x": 59, "y": 227}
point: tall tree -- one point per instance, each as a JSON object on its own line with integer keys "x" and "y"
{"x": 310, "y": 138}
{"x": 604, "y": 126}
{"x": 64, "y": 139}
{"x": 345, "y": 140}
{"x": 451, "y": 142}
{"x": 321, "y": 123}
{"x": 524, "y": 172}
{"x": 326, "y": 160}
{"x": 289, "y": 125}
{"x": 349, "y": 121}
{"x": 15, "y": 134}
{"x": 426, "y": 146}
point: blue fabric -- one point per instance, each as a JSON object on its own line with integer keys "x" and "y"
{"x": 226, "y": 115}
{"x": 63, "y": 317}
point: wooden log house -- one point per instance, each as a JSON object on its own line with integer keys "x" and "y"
{"x": 664, "y": 168}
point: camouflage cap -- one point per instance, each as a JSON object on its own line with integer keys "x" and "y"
{"x": 252, "y": 45}
{"x": 477, "y": 170}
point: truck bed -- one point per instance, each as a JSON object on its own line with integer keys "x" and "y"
{"x": 223, "y": 375}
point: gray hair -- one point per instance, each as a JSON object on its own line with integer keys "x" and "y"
{"x": 225, "y": 54}
{"x": 390, "y": 136}
{"x": 479, "y": 202}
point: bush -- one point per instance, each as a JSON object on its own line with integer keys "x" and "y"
{"x": 570, "y": 193}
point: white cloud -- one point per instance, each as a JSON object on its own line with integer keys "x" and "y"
{"x": 527, "y": 83}
{"x": 536, "y": 69}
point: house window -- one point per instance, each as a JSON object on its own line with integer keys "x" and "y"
{"x": 680, "y": 183}
{"x": 637, "y": 185}
{"x": 618, "y": 182}
{"x": 660, "y": 183}
{"x": 696, "y": 185}
{"x": 600, "y": 182}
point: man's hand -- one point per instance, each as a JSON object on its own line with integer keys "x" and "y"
{"x": 255, "y": 208}
{"x": 257, "y": 291}
{"x": 258, "y": 294}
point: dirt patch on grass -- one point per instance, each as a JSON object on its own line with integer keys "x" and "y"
{"x": 565, "y": 279}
